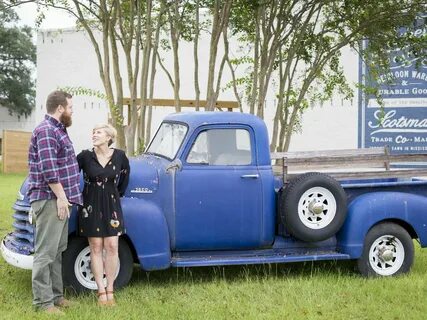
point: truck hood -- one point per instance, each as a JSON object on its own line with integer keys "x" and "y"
{"x": 144, "y": 175}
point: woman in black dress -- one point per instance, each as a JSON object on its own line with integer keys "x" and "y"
{"x": 106, "y": 175}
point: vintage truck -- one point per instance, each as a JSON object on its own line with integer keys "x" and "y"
{"x": 205, "y": 193}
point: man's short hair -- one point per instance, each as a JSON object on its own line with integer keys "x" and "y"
{"x": 55, "y": 99}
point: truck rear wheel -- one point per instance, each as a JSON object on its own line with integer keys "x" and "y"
{"x": 388, "y": 250}
{"x": 314, "y": 206}
{"x": 77, "y": 274}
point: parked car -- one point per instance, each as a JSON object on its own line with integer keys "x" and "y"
{"x": 205, "y": 194}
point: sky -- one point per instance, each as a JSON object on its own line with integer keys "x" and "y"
{"x": 54, "y": 18}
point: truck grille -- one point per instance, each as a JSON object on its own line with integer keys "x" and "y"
{"x": 21, "y": 240}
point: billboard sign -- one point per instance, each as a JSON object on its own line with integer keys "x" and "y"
{"x": 401, "y": 123}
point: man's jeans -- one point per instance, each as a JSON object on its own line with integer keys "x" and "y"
{"x": 50, "y": 241}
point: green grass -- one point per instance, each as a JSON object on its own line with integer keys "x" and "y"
{"x": 320, "y": 290}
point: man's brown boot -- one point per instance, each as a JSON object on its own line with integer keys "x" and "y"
{"x": 64, "y": 303}
{"x": 53, "y": 310}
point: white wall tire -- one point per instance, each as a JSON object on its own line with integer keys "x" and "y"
{"x": 388, "y": 250}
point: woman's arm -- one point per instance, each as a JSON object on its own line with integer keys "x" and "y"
{"x": 124, "y": 175}
{"x": 80, "y": 159}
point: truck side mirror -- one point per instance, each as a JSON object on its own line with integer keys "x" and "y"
{"x": 174, "y": 165}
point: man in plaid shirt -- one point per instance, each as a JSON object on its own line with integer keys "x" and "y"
{"x": 53, "y": 188}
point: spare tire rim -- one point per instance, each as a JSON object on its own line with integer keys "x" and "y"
{"x": 386, "y": 255}
{"x": 83, "y": 271}
{"x": 317, "y": 208}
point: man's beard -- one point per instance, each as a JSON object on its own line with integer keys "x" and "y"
{"x": 66, "y": 120}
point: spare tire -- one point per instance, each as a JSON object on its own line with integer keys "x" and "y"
{"x": 313, "y": 206}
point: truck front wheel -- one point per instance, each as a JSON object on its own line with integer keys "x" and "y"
{"x": 388, "y": 250}
{"x": 77, "y": 274}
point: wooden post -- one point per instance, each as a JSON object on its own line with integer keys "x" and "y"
{"x": 387, "y": 156}
{"x": 3, "y": 153}
{"x": 229, "y": 105}
{"x": 285, "y": 170}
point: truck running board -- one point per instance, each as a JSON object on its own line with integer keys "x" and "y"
{"x": 196, "y": 259}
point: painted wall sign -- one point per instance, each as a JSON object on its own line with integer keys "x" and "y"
{"x": 404, "y": 93}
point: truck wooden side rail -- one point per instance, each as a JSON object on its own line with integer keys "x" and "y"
{"x": 350, "y": 163}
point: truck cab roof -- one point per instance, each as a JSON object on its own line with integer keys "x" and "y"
{"x": 197, "y": 119}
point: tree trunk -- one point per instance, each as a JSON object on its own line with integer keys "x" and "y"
{"x": 279, "y": 106}
{"x": 233, "y": 75}
{"x": 116, "y": 109}
{"x": 153, "y": 71}
{"x": 220, "y": 21}
{"x": 257, "y": 42}
{"x": 196, "y": 57}
{"x": 144, "y": 75}
{"x": 104, "y": 65}
{"x": 221, "y": 67}
{"x": 116, "y": 71}
{"x": 175, "y": 31}
{"x": 128, "y": 39}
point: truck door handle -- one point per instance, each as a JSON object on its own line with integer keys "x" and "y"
{"x": 250, "y": 176}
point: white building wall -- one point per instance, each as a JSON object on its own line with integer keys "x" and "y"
{"x": 334, "y": 125}
{"x": 8, "y": 122}
{"x": 67, "y": 58}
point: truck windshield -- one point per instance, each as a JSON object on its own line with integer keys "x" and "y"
{"x": 167, "y": 140}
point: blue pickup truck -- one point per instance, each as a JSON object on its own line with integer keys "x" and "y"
{"x": 204, "y": 194}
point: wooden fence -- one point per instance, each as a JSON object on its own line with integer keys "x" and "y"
{"x": 220, "y": 105}
{"x": 15, "y": 151}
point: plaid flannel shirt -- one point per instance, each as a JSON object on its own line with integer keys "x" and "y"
{"x": 52, "y": 160}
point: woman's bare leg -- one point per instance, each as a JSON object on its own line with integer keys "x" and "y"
{"x": 97, "y": 264}
{"x": 111, "y": 245}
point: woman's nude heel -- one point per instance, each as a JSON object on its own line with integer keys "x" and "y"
{"x": 102, "y": 302}
{"x": 111, "y": 302}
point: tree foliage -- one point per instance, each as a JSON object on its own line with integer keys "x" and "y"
{"x": 297, "y": 44}
{"x": 17, "y": 59}
{"x": 289, "y": 47}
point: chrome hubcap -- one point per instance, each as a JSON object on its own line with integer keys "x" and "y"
{"x": 385, "y": 254}
{"x": 316, "y": 207}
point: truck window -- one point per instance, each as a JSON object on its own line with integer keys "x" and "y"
{"x": 221, "y": 147}
{"x": 167, "y": 140}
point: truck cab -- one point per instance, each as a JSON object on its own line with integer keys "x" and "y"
{"x": 217, "y": 184}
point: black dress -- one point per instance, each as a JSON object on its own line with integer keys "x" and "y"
{"x": 101, "y": 214}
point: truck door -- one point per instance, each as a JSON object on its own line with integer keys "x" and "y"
{"x": 218, "y": 192}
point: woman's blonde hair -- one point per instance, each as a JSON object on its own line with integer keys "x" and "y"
{"x": 109, "y": 129}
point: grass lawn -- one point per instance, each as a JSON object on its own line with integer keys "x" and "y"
{"x": 321, "y": 290}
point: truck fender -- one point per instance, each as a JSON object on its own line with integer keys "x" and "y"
{"x": 369, "y": 209}
{"x": 148, "y": 232}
